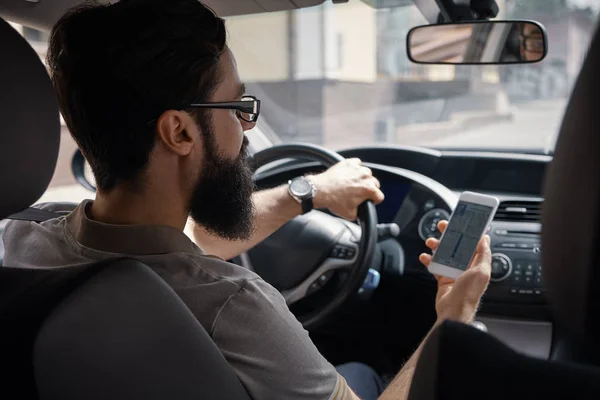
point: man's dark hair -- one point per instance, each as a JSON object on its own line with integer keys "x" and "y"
{"x": 116, "y": 68}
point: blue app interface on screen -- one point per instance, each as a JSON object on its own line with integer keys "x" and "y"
{"x": 462, "y": 235}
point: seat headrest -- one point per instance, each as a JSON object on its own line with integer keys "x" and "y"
{"x": 571, "y": 211}
{"x": 29, "y": 124}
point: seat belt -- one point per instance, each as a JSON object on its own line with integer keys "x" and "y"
{"x": 34, "y": 215}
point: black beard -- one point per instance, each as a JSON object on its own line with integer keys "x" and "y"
{"x": 222, "y": 199}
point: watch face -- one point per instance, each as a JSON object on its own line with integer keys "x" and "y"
{"x": 301, "y": 188}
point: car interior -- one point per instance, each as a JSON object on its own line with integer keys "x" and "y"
{"x": 116, "y": 330}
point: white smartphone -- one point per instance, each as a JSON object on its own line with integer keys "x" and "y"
{"x": 468, "y": 223}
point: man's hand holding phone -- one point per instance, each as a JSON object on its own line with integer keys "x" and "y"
{"x": 458, "y": 299}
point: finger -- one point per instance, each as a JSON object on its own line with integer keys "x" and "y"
{"x": 442, "y": 225}
{"x": 366, "y": 172}
{"x": 425, "y": 259}
{"x": 432, "y": 243}
{"x": 377, "y": 196}
{"x": 484, "y": 252}
{"x": 483, "y": 246}
{"x": 376, "y": 182}
{"x": 481, "y": 267}
{"x": 354, "y": 160}
{"x": 371, "y": 192}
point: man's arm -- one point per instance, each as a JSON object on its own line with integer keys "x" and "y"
{"x": 456, "y": 300}
{"x": 400, "y": 387}
{"x": 341, "y": 189}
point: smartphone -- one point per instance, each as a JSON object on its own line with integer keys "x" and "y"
{"x": 468, "y": 223}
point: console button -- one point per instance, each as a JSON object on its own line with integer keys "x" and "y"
{"x": 501, "y": 267}
{"x": 530, "y": 266}
{"x": 538, "y": 267}
{"x": 519, "y": 265}
{"x": 343, "y": 252}
{"x": 508, "y": 245}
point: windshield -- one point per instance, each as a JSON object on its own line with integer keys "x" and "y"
{"x": 338, "y": 75}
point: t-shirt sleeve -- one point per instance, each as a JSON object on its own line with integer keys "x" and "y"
{"x": 270, "y": 351}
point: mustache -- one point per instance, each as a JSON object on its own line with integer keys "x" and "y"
{"x": 246, "y": 158}
{"x": 245, "y": 144}
{"x": 244, "y": 154}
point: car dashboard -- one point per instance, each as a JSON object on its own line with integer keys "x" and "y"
{"x": 421, "y": 186}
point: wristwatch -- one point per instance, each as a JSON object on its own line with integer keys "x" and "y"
{"x": 303, "y": 191}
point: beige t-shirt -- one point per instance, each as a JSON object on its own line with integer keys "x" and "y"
{"x": 246, "y": 317}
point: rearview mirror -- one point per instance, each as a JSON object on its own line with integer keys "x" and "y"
{"x": 478, "y": 42}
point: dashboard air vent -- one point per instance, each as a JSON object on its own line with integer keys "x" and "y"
{"x": 519, "y": 211}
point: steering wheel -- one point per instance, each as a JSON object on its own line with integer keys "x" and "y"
{"x": 309, "y": 249}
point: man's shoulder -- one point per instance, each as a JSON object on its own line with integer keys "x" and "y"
{"x": 209, "y": 269}
{"x": 60, "y": 208}
{"x": 18, "y": 229}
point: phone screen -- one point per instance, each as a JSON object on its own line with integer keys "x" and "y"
{"x": 462, "y": 234}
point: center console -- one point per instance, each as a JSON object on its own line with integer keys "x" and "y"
{"x": 514, "y": 307}
{"x": 516, "y": 263}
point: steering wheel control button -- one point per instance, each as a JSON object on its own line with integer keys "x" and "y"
{"x": 313, "y": 288}
{"x": 501, "y": 267}
{"x": 319, "y": 282}
{"x": 428, "y": 223}
{"x": 343, "y": 252}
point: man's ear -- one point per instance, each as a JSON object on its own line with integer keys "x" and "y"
{"x": 173, "y": 130}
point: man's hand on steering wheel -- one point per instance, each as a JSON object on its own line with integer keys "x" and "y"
{"x": 344, "y": 186}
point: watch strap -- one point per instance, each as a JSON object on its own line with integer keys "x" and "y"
{"x": 307, "y": 205}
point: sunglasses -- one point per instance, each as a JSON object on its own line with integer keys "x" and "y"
{"x": 248, "y": 108}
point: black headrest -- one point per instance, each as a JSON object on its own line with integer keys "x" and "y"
{"x": 461, "y": 362}
{"x": 571, "y": 211}
{"x": 29, "y": 124}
